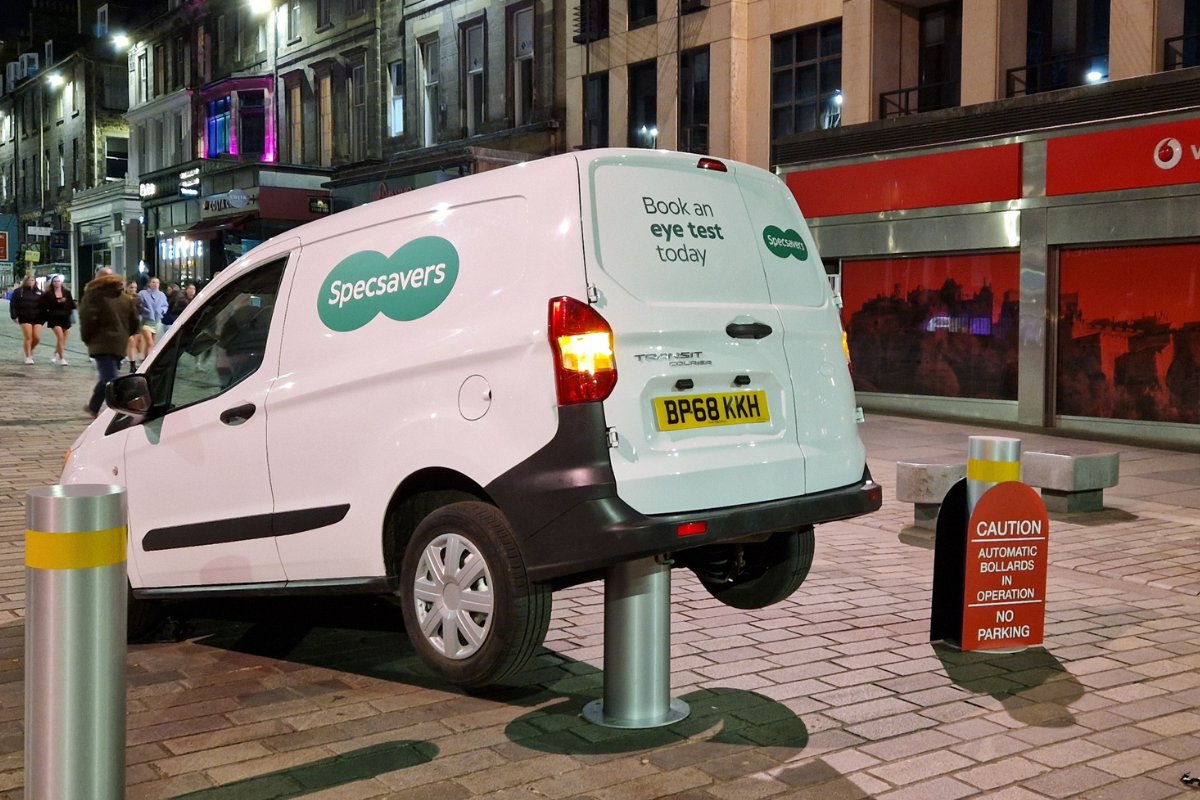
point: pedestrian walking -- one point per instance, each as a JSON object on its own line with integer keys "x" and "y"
{"x": 108, "y": 317}
{"x": 57, "y": 305}
{"x": 135, "y": 340}
{"x": 25, "y": 310}
{"x": 175, "y": 304}
{"x": 152, "y": 307}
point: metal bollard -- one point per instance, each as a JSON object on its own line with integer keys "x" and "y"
{"x": 75, "y": 574}
{"x": 990, "y": 460}
{"x": 637, "y": 649}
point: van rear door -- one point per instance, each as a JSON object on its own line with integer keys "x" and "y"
{"x": 822, "y": 390}
{"x": 703, "y": 408}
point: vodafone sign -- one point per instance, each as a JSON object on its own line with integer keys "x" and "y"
{"x": 1151, "y": 155}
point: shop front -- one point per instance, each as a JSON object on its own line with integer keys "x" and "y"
{"x": 1050, "y": 279}
{"x": 202, "y": 216}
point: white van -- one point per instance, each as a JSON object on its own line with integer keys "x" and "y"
{"x": 473, "y": 394}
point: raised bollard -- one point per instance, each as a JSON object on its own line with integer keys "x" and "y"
{"x": 75, "y": 642}
{"x": 637, "y": 649}
{"x": 990, "y": 460}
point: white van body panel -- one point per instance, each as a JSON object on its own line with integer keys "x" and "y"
{"x": 394, "y": 403}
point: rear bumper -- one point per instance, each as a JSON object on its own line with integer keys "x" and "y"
{"x": 564, "y": 508}
{"x": 598, "y": 533}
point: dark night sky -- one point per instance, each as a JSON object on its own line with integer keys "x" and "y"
{"x": 13, "y": 12}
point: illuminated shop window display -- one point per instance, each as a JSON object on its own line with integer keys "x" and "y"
{"x": 942, "y": 326}
{"x": 1129, "y": 333}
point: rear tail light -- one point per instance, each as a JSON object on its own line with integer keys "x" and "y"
{"x": 713, "y": 164}
{"x": 585, "y": 369}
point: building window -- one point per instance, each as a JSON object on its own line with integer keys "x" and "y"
{"x": 62, "y": 165}
{"x": 293, "y": 28}
{"x": 357, "y": 95}
{"x": 356, "y": 7}
{"x": 642, "y": 12}
{"x": 323, "y": 15}
{"x": 46, "y": 165}
{"x": 102, "y": 20}
{"x": 295, "y": 123}
{"x": 141, "y": 138}
{"x": 643, "y": 104}
{"x": 521, "y": 24}
{"x": 473, "y": 78}
{"x": 592, "y": 22}
{"x": 396, "y": 116}
{"x": 143, "y": 90}
{"x": 70, "y": 102}
{"x": 60, "y": 103}
{"x": 221, "y": 39}
{"x": 430, "y": 101}
{"x": 955, "y": 314}
{"x": 940, "y": 61}
{"x": 325, "y": 118}
{"x": 693, "y": 101}
{"x": 116, "y": 158}
{"x": 806, "y": 80}
{"x": 252, "y": 119}
{"x": 160, "y": 70}
{"x": 78, "y": 179}
{"x": 218, "y": 126}
{"x": 178, "y": 62}
{"x": 595, "y": 110}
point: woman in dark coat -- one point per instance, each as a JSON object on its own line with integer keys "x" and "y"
{"x": 57, "y": 305}
{"x": 25, "y": 309}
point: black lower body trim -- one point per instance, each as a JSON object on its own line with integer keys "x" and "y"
{"x": 241, "y": 529}
{"x": 563, "y": 504}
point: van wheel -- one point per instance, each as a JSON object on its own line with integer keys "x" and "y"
{"x": 471, "y": 612}
{"x": 142, "y": 617}
{"x": 770, "y": 571}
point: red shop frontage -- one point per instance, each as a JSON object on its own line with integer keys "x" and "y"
{"x": 1049, "y": 279}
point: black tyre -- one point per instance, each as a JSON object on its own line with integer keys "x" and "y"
{"x": 142, "y": 617}
{"x": 771, "y": 571}
{"x": 469, "y": 608}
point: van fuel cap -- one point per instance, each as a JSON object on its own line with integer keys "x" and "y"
{"x": 474, "y": 397}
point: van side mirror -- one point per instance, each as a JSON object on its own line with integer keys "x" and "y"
{"x": 129, "y": 394}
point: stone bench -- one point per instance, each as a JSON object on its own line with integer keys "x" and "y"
{"x": 1071, "y": 481}
{"x": 926, "y": 485}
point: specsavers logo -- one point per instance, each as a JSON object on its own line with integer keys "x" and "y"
{"x": 785, "y": 243}
{"x": 1168, "y": 153}
{"x": 407, "y": 285}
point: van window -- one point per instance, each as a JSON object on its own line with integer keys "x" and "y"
{"x": 221, "y": 344}
{"x": 676, "y": 234}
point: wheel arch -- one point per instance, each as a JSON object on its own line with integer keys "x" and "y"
{"x": 419, "y": 494}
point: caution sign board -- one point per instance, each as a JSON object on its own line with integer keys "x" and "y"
{"x": 1004, "y": 592}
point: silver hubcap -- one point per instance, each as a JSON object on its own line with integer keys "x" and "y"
{"x": 453, "y": 594}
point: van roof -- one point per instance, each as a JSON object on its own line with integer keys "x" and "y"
{"x": 460, "y": 190}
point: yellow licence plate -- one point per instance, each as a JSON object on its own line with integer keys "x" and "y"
{"x": 706, "y": 410}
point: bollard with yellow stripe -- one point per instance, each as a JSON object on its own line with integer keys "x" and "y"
{"x": 75, "y": 572}
{"x": 990, "y": 460}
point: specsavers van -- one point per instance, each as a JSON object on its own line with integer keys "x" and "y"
{"x": 470, "y": 395}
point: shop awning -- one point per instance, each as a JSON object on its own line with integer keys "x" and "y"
{"x": 209, "y": 228}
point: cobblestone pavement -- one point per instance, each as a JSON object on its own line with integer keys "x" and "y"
{"x": 834, "y": 694}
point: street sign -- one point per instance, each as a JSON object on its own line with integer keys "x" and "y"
{"x": 1004, "y": 601}
{"x": 3, "y": 245}
{"x": 60, "y": 240}
{"x": 38, "y": 230}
